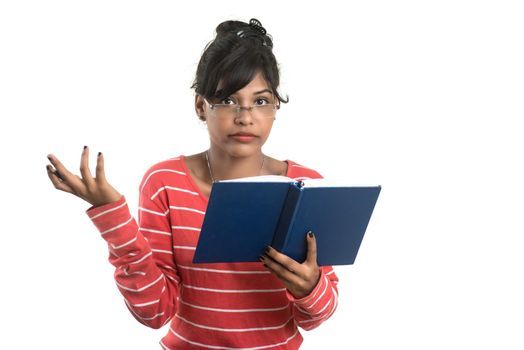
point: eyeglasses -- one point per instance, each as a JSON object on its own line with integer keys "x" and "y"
{"x": 261, "y": 111}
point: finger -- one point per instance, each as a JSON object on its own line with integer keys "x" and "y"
{"x": 84, "y": 167}
{"x": 281, "y": 271}
{"x": 55, "y": 172}
{"x": 100, "y": 172}
{"x": 284, "y": 260}
{"x": 74, "y": 182}
{"x": 311, "y": 249}
{"x": 56, "y": 180}
{"x": 64, "y": 173}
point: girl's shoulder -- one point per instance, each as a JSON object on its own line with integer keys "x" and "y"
{"x": 301, "y": 172}
{"x": 290, "y": 169}
{"x": 165, "y": 169}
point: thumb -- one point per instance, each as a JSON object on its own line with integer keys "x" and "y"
{"x": 311, "y": 248}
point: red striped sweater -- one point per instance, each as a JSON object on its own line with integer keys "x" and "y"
{"x": 210, "y": 306}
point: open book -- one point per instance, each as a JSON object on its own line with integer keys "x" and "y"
{"x": 245, "y": 215}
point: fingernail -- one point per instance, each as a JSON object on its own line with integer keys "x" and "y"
{"x": 85, "y": 147}
{"x": 310, "y": 234}
{"x": 268, "y": 248}
{"x": 261, "y": 258}
{"x": 99, "y": 154}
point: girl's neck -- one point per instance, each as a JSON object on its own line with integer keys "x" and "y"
{"x": 224, "y": 167}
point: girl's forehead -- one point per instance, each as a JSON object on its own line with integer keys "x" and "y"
{"x": 257, "y": 85}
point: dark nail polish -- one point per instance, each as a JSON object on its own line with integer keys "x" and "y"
{"x": 85, "y": 147}
{"x": 310, "y": 233}
{"x": 99, "y": 154}
{"x": 268, "y": 249}
{"x": 261, "y": 258}
{"x": 59, "y": 175}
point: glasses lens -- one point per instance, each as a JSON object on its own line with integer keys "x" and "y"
{"x": 264, "y": 111}
{"x": 225, "y": 111}
{"x": 257, "y": 111}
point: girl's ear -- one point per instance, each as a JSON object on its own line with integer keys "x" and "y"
{"x": 199, "y": 107}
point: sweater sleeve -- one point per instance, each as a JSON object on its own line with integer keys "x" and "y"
{"x": 313, "y": 309}
{"x": 142, "y": 255}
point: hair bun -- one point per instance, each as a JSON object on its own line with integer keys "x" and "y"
{"x": 227, "y": 27}
{"x": 253, "y": 29}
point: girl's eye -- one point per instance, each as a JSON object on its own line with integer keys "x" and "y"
{"x": 261, "y": 101}
{"x": 227, "y": 101}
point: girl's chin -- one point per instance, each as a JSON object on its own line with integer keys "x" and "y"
{"x": 243, "y": 150}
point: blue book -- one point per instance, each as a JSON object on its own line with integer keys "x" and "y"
{"x": 245, "y": 215}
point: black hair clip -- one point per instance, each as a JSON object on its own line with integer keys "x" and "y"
{"x": 256, "y": 25}
{"x": 255, "y": 30}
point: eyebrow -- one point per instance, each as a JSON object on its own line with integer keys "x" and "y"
{"x": 260, "y": 92}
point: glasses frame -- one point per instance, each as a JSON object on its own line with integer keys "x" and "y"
{"x": 238, "y": 108}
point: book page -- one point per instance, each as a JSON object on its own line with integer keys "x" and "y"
{"x": 327, "y": 183}
{"x": 262, "y": 178}
{"x": 306, "y": 183}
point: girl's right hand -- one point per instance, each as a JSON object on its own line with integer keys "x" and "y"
{"x": 96, "y": 191}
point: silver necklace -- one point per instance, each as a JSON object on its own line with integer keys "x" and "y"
{"x": 211, "y": 172}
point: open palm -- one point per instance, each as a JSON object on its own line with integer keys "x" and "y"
{"x": 94, "y": 190}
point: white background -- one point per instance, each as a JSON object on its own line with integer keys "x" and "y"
{"x": 421, "y": 97}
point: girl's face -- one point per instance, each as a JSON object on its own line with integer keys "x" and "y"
{"x": 226, "y": 127}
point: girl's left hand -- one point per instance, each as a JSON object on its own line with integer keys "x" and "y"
{"x": 300, "y": 279}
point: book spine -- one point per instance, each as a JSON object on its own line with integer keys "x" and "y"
{"x": 287, "y": 216}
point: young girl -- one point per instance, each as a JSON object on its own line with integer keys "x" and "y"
{"x": 210, "y": 306}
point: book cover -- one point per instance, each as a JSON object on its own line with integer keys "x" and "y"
{"x": 245, "y": 215}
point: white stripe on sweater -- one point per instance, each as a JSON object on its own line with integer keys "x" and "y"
{"x": 145, "y": 304}
{"x": 187, "y": 209}
{"x": 234, "y": 290}
{"x": 229, "y": 348}
{"x": 185, "y": 228}
{"x": 320, "y": 296}
{"x": 232, "y": 310}
{"x": 174, "y": 189}
{"x": 327, "y": 315}
{"x": 154, "y": 212}
{"x": 141, "y": 259}
{"x": 160, "y": 171}
{"x": 126, "y": 272}
{"x": 108, "y": 211}
{"x": 151, "y": 318}
{"x": 234, "y": 329}
{"x": 155, "y": 231}
{"x": 144, "y": 287}
{"x": 162, "y": 251}
{"x": 117, "y": 226}
{"x": 223, "y": 271}
{"x": 185, "y": 247}
{"x": 124, "y": 244}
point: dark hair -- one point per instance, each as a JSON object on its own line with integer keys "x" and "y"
{"x": 238, "y": 51}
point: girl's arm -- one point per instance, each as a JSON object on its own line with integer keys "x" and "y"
{"x": 147, "y": 279}
{"x": 142, "y": 254}
{"x": 313, "y": 309}
{"x": 311, "y": 289}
